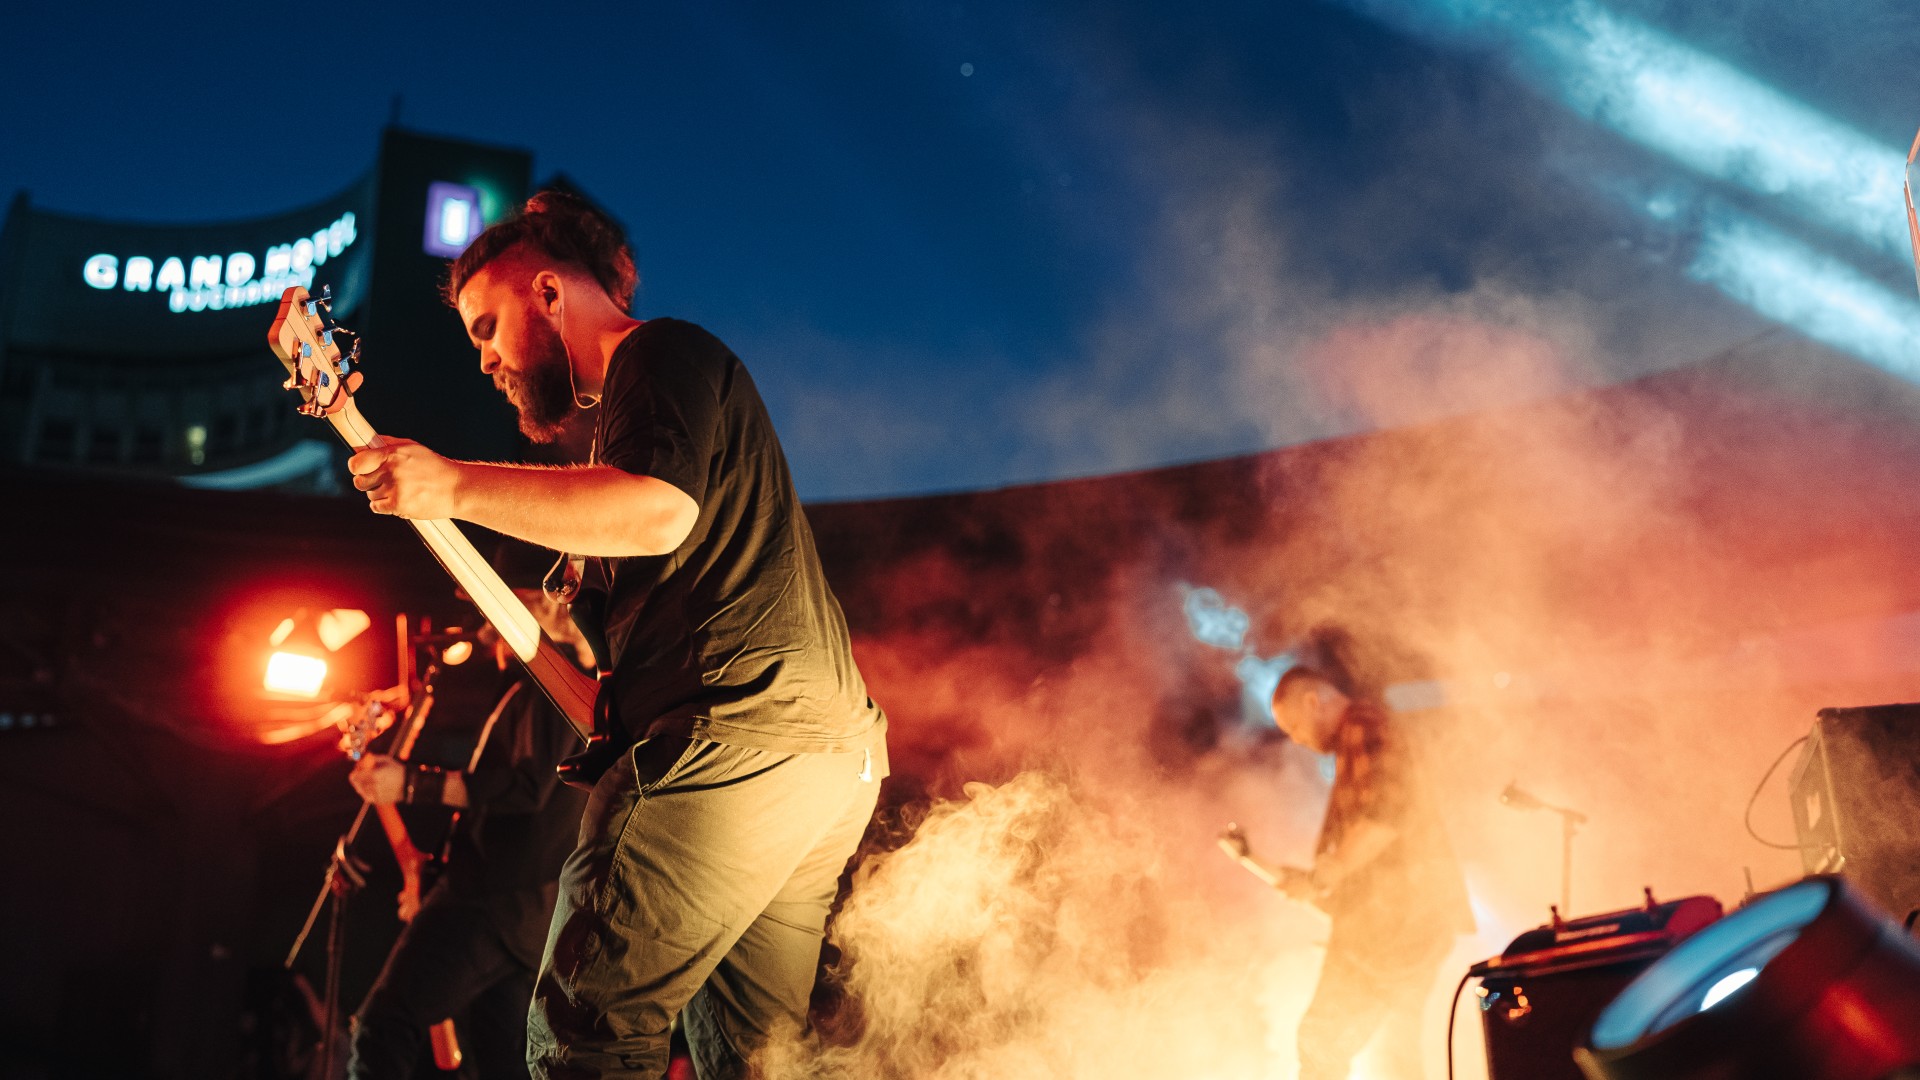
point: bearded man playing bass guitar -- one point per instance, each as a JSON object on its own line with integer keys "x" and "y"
{"x": 711, "y": 848}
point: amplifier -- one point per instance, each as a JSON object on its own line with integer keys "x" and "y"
{"x": 1856, "y": 801}
{"x": 1539, "y": 997}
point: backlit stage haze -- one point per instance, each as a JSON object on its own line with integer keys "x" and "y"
{"x": 1628, "y": 601}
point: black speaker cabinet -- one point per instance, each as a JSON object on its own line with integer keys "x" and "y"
{"x": 1540, "y": 996}
{"x": 1532, "y": 1025}
{"x": 1856, "y": 802}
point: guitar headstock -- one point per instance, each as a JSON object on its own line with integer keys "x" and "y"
{"x": 358, "y": 730}
{"x": 302, "y": 336}
{"x": 1233, "y": 841}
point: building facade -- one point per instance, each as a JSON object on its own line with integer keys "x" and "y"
{"x": 142, "y": 349}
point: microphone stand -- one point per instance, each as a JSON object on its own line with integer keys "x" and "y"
{"x": 346, "y": 874}
{"x": 1570, "y": 822}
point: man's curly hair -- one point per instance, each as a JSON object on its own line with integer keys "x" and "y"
{"x": 563, "y": 227}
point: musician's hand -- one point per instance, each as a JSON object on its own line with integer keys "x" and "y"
{"x": 409, "y": 904}
{"x": 1298, "y": 884}
{"x": 555, "y": 618}
{"x": 379, "y": 779}
{"x": 403, "y": 478}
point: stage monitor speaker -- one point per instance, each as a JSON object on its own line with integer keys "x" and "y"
{"x": 1856, "y": 802}
{"x": 1539, "y": 997}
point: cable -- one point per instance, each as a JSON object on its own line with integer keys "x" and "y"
{"x": 579, "y": 402}
{"x": 1747, "y": 818}
{"x": 1452, "y": 1012}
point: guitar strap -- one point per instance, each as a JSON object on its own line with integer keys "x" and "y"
{"x": 581, "y": 582}
{"x": 486, "y": 729}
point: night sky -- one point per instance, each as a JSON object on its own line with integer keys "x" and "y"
{"x": 965, "y": 245}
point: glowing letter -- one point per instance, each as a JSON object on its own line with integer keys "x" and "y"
{"x": 139, "y": 275}
{"x": 206, "y": 272}
{"x": 239, "y": 268}
{"x": 173, "y": 275}
{"x": 102, "y": 271}
{"x": 302, "y": 253}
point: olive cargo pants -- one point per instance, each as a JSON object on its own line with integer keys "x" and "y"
{"x": 700, "y": 888}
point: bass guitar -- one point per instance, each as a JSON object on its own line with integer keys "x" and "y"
{"x": 303, "y": 337}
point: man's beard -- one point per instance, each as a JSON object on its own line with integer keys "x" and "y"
{"x": 542, "y": 391}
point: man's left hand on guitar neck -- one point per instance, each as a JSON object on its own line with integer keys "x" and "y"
{"x": 403, "y": 478}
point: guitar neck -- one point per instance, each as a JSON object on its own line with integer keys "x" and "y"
{"x": 404, "y": 851}
{"x": 571, "y": 690}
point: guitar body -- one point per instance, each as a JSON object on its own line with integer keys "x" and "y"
{"x": 584, "y": 769}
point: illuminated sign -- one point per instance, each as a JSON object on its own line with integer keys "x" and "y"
{"x": 454, "y": 218}
{"x": 217, "y": 282}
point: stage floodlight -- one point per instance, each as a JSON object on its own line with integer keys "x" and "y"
{"x": 1808, "y": 982}
{"x": 295, "y": 674}
{"x": 298, "y": 665}
{"x": 341, "y": 625}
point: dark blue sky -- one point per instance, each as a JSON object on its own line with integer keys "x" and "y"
{"x": 969, "y": 244}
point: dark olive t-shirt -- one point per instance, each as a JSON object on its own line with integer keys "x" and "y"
{"x": 735, "y": 637}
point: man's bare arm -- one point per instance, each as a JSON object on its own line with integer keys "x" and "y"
{"x": 585, "y": 510}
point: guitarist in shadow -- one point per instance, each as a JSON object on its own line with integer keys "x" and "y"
{"x": 1383, "y": 869}
{"x": 471, "y": 949}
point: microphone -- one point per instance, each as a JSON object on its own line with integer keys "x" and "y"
{"x": 1519, "y": 799}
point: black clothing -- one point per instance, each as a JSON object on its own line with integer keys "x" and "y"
{"x": 735, "y": 637}
{"x": 471, "y": 950}
{"x": 1412, "y": 892}
{"x": 1395, "y": 917}
{"x": 449, "y": 962}
{"x": 520, "y": 822}
{"x": 1366, "y": 996}
{"x": 711, "y": 851}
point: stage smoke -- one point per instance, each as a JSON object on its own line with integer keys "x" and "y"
{"x": 1029, "y": 930}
